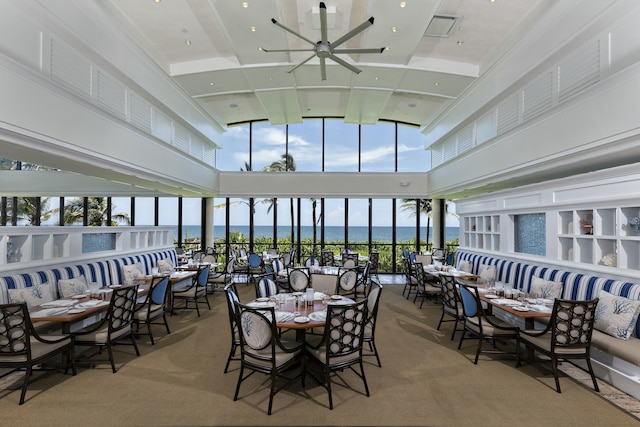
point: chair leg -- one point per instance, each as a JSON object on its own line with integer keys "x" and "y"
{"x": 231, "y": 354}
{"x": 135, "y": 346}
{"x": 166, "y": 325}
{"x": 23, "y": 393}
{"x": 150, "y": 333}
{"x": 235, "y": 396}
{"x": 475, "y": 362}
{"x": 364, "y": 378}
{"x": 455, "y": 328}
{"x": 554, "y": 366}
{"x": 328, "y": 377}
{"x": 593, "y": 376}
{"x": 272, "y": 391}
{"x": 464, "y": 331}
{"x": 113, "y": 363}
{"x": 207, "y": 299}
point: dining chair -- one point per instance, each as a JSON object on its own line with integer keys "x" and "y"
{"x": 347, "y": 282}
{"x": 567, "y": 336}
{"x": 340, "y": 346}
{"x": 195, "y": 293}
{"x": 325, "y": 283}
{"x": 266, "y": 287}
{"x": 298, "y": 279}
{"x": 153, "y": 306}
{"x": 480, "y": 325}
{"x": 312, "y": 262}
{"x": 374, "y": 263}
{"x": 21, "y": 347}
{"x": 256, "y": 266}
{"x": 115, "y": 326}
{"x": 349, "y": 256}
{"x": 426, "y": 288}
{"x": 451, "y": 304}
{"x": 439, "y": 254}
{"x": 231, "y": 295}
{"x": 278, "y": 267}
{"x": 373, "y": 300}
{"x": 410, "y": 281}
{"x": 263, "y": 350}
{"x": 326, "y": 257}
{"x": 364, "y": 281}
{"x": 221, "y": 278}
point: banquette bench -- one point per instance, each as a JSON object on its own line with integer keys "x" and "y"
{"x": 616, "y": 360}
{"x": 44, "y": 284}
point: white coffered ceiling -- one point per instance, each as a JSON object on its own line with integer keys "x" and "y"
{"x": 224, "y": 69}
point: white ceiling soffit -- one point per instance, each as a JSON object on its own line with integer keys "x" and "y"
{"x": 224, "y": 68}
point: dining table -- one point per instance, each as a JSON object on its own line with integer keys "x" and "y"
{"x": 77, "y": 308}
{"x": 528, "y": 311}
{"x": 292, "y": 312}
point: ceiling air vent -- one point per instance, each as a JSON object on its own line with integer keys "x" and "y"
{"x": 441, "y": 26}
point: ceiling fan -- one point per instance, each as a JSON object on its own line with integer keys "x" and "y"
{"x": 325, "y": 49}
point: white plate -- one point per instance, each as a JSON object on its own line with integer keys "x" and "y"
{"x": 520, "y": 308}
{"x": 262, "y": 299}
{"x": 491, "y": 296}
{"x": 76, "y": 310}
{"x": 296, "y": 294}
{"x": 115, "y": 286}
{"x": 301, "y": 319}
{"x": 79, "y": 296}
{"x": 336, "y": 297}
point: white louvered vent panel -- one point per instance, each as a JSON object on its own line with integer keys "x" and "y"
{"x": 197, "y": 148}
{"x": 70, "y": 69}
{"x": 579, "y": 70}
{"x": 537, "y": 96}
{"x": 140, "y": 112}
{"x": 465, "y": 139}
{"x": 508, "y": 114}
{"x": 209, "y": 156}
{"x": 181, "y": 138}
{"x": 111, "y": 95}
{"x": 449, "y": 149}
{"x": 436, "y": 155}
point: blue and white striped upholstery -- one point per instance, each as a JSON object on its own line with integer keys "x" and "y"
{"x": 266, "y": 288}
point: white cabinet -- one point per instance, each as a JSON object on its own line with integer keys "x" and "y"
{"x": 481, "y": 232}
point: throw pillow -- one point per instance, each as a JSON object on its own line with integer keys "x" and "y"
{"x": 33, "y": 295}
{"x": 545, "y": 288}
{"x": 464, "y": 266}
{"x": 131, "y": 272}
{"x": 164, "y": 266}
{"x": 487, "y": 273}
{"x": 616, "y": 315}
{"x": 75, "y": 286}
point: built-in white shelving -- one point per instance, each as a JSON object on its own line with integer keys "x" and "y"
{"x": 481, "y": 232}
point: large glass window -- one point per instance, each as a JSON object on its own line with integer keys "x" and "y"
{"x": 412, "y": 156}
{"x": 378, "y": 147}
{"x": 341, "y": 146}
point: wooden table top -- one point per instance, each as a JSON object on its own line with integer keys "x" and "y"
{"x": 508, "y": 308}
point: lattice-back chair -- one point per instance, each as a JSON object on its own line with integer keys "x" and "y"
{"x": 347, "y": 282}
{"x": 374, "y": 262}
{"x": 480, "y": 325}
{"x": 220, "y": 279}
{"x": 427, "y": 288}
{"x": 279, "y": 269}
{"x": 231, "y": 295}
{"x": 439, "y": 254}
{"x": 373, "y": 300}
{"x": 410, "y": 281}
{"x": 451, "y": 304}
{"x": 21, "y": 347}
{"x": 326, "y": 257}
{"x": 346, "y": 256}
{"x": 567, "y": 335}
{"x": 115, "y": 326}
{"x": 195, "y": 293}
{"x": 153, "y": 307}
{"x": 340, "y": 346}
{"x": 298, "y": 279}
{"x": 266, "y": 287}
{"x": 364, "y": 280}
{"x": 262, "y": 350}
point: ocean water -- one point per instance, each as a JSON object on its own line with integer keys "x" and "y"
{"x": 331, "y": 233}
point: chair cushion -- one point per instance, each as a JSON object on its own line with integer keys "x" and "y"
{"x": 544, "y": 342}
{"x": 487, "y": 272}
{"x": 70, "y": 287}
{"x": 320, "y": 353}
{"x": 616, "y": 315}
{"x": 464, "y": 266}
{"x": 131, "y": 272}
{"x": 144, "y": 313}
{"x": 33, "y": 295}
{"x": 39, "y": 349}
{"x": 165, "y": 266}
{"x": 547, "y": 288}
{"x": 100, "y": 336}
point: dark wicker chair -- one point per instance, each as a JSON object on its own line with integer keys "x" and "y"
{"x": 451, "y": 305}
{"x": 195, "y": 293}
{"x": 373, "y": 300}
{"x": 567, "y": 335}
{"x": 153, "y": 307}
{"x": 426, "y": 286}
{"x": 231, "y": 295}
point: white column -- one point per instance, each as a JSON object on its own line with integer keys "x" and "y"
{"x": 208, "y": 228}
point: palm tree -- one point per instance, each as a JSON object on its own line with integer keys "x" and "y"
{"x": 97, "y": 214}
{"x": 425, "y": 206}
{"x": 27, "y": 209}
{"x": 285, "y": 164}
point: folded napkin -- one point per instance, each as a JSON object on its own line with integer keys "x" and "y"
{"x": 92, "y": 303}
{"x": 318, "y": 316}
{"x": 540, "y": 308}
{"x": 318, "y": 296}
{"x": 283, "y": 316}
{"x": 506, "y": 301}
{"x": 49, "y": 312}
{"x": 59, "y": 303}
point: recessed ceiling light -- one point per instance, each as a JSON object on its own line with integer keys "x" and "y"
{"x": 157, "y": 1}
{"x": 394, "y": 29}
{"x": 375, "y": 78}
{"x": 259, "y": 47}
{"x": 436, "y": 84}
{"x": 253, "y": 29}
{"x": 245, "y": 4}
{"x": 387, "y": 48}
{"x": 187, "y": 42}
{"x": 403, "y": 3}
{"x": 211, "y": 83}
{"x": 459, "y": 42}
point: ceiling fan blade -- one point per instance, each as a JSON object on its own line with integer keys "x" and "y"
{"x": 345, "y": 64}
{"x": 292, "y": 32}
{"x": 302, "y": 63}
{"x": 287, "y": 50}
{"x": 323, "y": 69}
{"x": 371, "y": 50}
{"x": 323, "y": 22}
{"x": 366, "y": 24}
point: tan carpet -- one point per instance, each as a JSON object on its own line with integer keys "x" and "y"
{"x": 424, "y": 381}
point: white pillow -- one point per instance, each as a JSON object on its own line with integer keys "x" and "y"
{"x": 165, "y": 266}
{"x": 546, "y": 288}
{"x": 131, "y": 272}
{"x": 34, "y": 295}
{"x": 487, "y": 272}
{"x": 616, "y": 315}
{"x": 464, "y": 266}
{"x": 75, "y": 286}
